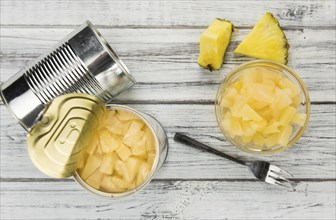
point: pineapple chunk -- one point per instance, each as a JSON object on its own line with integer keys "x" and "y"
{"x": 258, "y": 125}
{"x": 259, "y": 140}
{"x": 266, "y": 113}
{"x": 133, "y": 165}
{"x": 151, "y": 158}
{"x": 117, "y": 127}
{"x": 265, "y": 41}
{"x": 134, "y": 128}
{"x": 236, "y": 128}
{"x": 109, "y": 185}
{"x": 91, "y": 149}
{"x": 144, "y": 171}
{"x": 282, "y": 100}
{"x": 124, "y": 152}
{"x": 228, "y": 97}
{"x": 108, "y": 142}
{"x": 272, "y": 128}
{"x": 237, "y": 85}
{"x": 296, "y": 101}
{"x": 246, "y": 139}
{"x": 272, "y": 140}
{"x": 139, "y": 148}
{"x": 300, "y": 119}
{"x": 284, "y": 135}
{"x": 247, "y": 113}
{"x": 263, "y": 93}
{"x": 150, "y": 144}
{"x": 286, "y": 83}
{"x": 106, "y": 166}
{"x": 132, "y": 140}
{"x": 237, "y": 106}
{"x": 94, "y": 179}
{"x": 119, "y": 166}
{"x": 92, "y": 164}
{"x": 126, "y": 116}
{"x": 287, "y": 115}
{"x": 213, "y": 43}
{"x": 258, "y": 105}
{"x": 121, "y": 183}
{"x": 247, "y": 129}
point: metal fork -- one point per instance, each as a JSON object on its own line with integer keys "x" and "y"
{"x": 262, "y": 170}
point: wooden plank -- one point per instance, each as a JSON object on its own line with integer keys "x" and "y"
{"x": 165, "y": 13}
{"x": 172, "y": 200}
{"x": 312, "y": 157}
{"x": 164, "y": 60}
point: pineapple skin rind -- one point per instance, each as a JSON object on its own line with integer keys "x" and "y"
{"x": 286, "y": 45}
{"x": 209, "y": 66}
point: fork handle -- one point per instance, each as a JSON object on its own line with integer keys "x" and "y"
{"x": 184, "y": 139}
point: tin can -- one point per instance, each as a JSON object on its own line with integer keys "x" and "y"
{"x": 58, "y": 141}
{"x": 83, "y": 62}
{"x": 60, "y": 98}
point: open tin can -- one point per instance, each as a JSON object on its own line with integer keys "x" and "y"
{"x": 61, "y": 98}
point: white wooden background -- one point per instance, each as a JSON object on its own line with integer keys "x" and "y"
{"x": 158, "y": 40}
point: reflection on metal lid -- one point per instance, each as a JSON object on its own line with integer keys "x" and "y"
{"x": 56, "y": 142}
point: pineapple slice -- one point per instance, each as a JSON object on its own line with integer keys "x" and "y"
{"x": 265, "y": 41}
{"x": 213, "y": 43}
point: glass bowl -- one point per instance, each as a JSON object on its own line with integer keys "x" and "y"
{"x": 304, "y": 107}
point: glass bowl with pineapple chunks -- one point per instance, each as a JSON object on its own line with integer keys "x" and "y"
{"x": 262, "y": 107}
{"x": 124, "y": 154}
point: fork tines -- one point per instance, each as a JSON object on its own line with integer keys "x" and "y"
{"x": 274, "y": 176}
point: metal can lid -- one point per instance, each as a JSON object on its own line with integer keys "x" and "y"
{"x": 57, "y": 141}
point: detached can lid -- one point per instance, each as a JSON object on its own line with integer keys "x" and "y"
{"x": 66, "y": 127}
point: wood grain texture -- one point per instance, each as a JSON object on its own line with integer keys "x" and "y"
{"x": 312, "y": 13}
{"x": 163, "y": 61}
{"x": 158, "y": 41}
{"x": 312, "y": 157}
{"x": 171, "y": 200}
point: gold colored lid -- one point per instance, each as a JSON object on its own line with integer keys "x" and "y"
{"x": 57, "y": 141}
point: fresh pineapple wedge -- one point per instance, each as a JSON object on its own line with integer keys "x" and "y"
{"x": 265, "y": 41}
{"x": 213, "y": 43}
